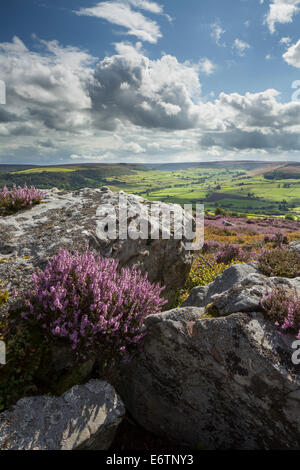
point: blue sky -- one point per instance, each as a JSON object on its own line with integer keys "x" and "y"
{"x": 141, "y": 81}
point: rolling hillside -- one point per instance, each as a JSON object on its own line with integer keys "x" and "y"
{"x": 266, "y": 188}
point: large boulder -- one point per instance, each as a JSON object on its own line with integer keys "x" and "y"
{"x": 86, "y": 417}
{"x": 202, "y": 295}
{"x": 72, "y": 220}
{"x": 217, "y": 383}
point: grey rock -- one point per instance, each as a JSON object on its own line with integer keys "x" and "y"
{"x": 246, "y": 296}
{"x": 85, "y": 417}
{"x": 295, "y": 246}
{"x": 71, "y": 219}
{"x": 227, "y": 223}
{"x": 201, "y": 296}
{"x": 222, "y": 383}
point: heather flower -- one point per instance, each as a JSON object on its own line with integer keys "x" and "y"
{"x": 278, "y": 240}
{"x": 19, "y": 198}
{"x": 283, "y": 308}
{"x": 229, "y": 252}
{"x": 282, "y": 262}
{"x": 86, "y": 300}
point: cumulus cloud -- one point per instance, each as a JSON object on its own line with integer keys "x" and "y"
{"x": 120, "y": 13}
{"x": 259, "y": 110}
{"x": 256, "y": 121}
{"x": 281, "y": 11}
{"x": 292, "y": 55}
{"x": 149, "y": 93}
{"x": 61, "y": 100}
{"x": 47, "y": 87}
{"x": 240, "y": 46}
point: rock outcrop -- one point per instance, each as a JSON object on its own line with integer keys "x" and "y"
{"x": 29, "y": 238}
{"x": 246, "y": 296}
{"x": 85, "y": 418}
{"x": 201, "y": 296}
{"x": 221, "y": 383}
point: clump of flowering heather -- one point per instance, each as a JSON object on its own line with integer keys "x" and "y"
{"x": 19, "y": 198}
{"x": 230, "y": 252}
{"x": 210, "y": 246}
{"x": 283, "y": 307}
{"x": 280, "y": 262}
{"x": 84, "y": 299}
{"x": 278, "y": 240}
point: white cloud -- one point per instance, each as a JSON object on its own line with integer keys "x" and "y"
{"x": 128, "y": 106}
{"x": 261, "y": 111}
{"x": 281, "y": 11}
{"x": 92, "y": 158}
{"x": 286, "y": 41}
{"x": 206, "y": 66}
{"x": 158, "y": 93}
{"x": 240, "y": 46}
{"x": 121, "y": 14}
{"x": 47, "y": 88}
{"x": 268, "y": 57}
{"x": 217, "y": 32}
{"x": 133, "y": 147}
{"x": 292, "y": 55}
{"x": 146, "y": 5}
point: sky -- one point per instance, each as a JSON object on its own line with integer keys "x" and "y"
{"x": 139, "y": 81}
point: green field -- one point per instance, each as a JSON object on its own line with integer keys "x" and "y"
{"x": 45, "y": 169}
{"x": 214, "y": 187}
{"x": 246, "y": 187}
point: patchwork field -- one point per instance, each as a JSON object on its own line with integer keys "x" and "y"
{"x": 254, "y": 188}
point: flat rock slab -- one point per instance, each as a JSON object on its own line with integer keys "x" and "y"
{"x": 85, "y": 417}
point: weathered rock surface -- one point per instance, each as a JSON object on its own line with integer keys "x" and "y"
{"x": 221, "y": 383}
{"x": 227, "y": 223}
{"x": 85, "y": 417}
{"x": 246, "y": 296}
{"x": 295, "y": 246}
{"x": 70, "y": 219}
{"x": 201, "y": 296}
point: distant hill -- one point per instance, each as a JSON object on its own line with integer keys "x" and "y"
{"x": 247, "y": 165}
{"x": 66, "y": 177}
{"x": 288, "y": 171}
